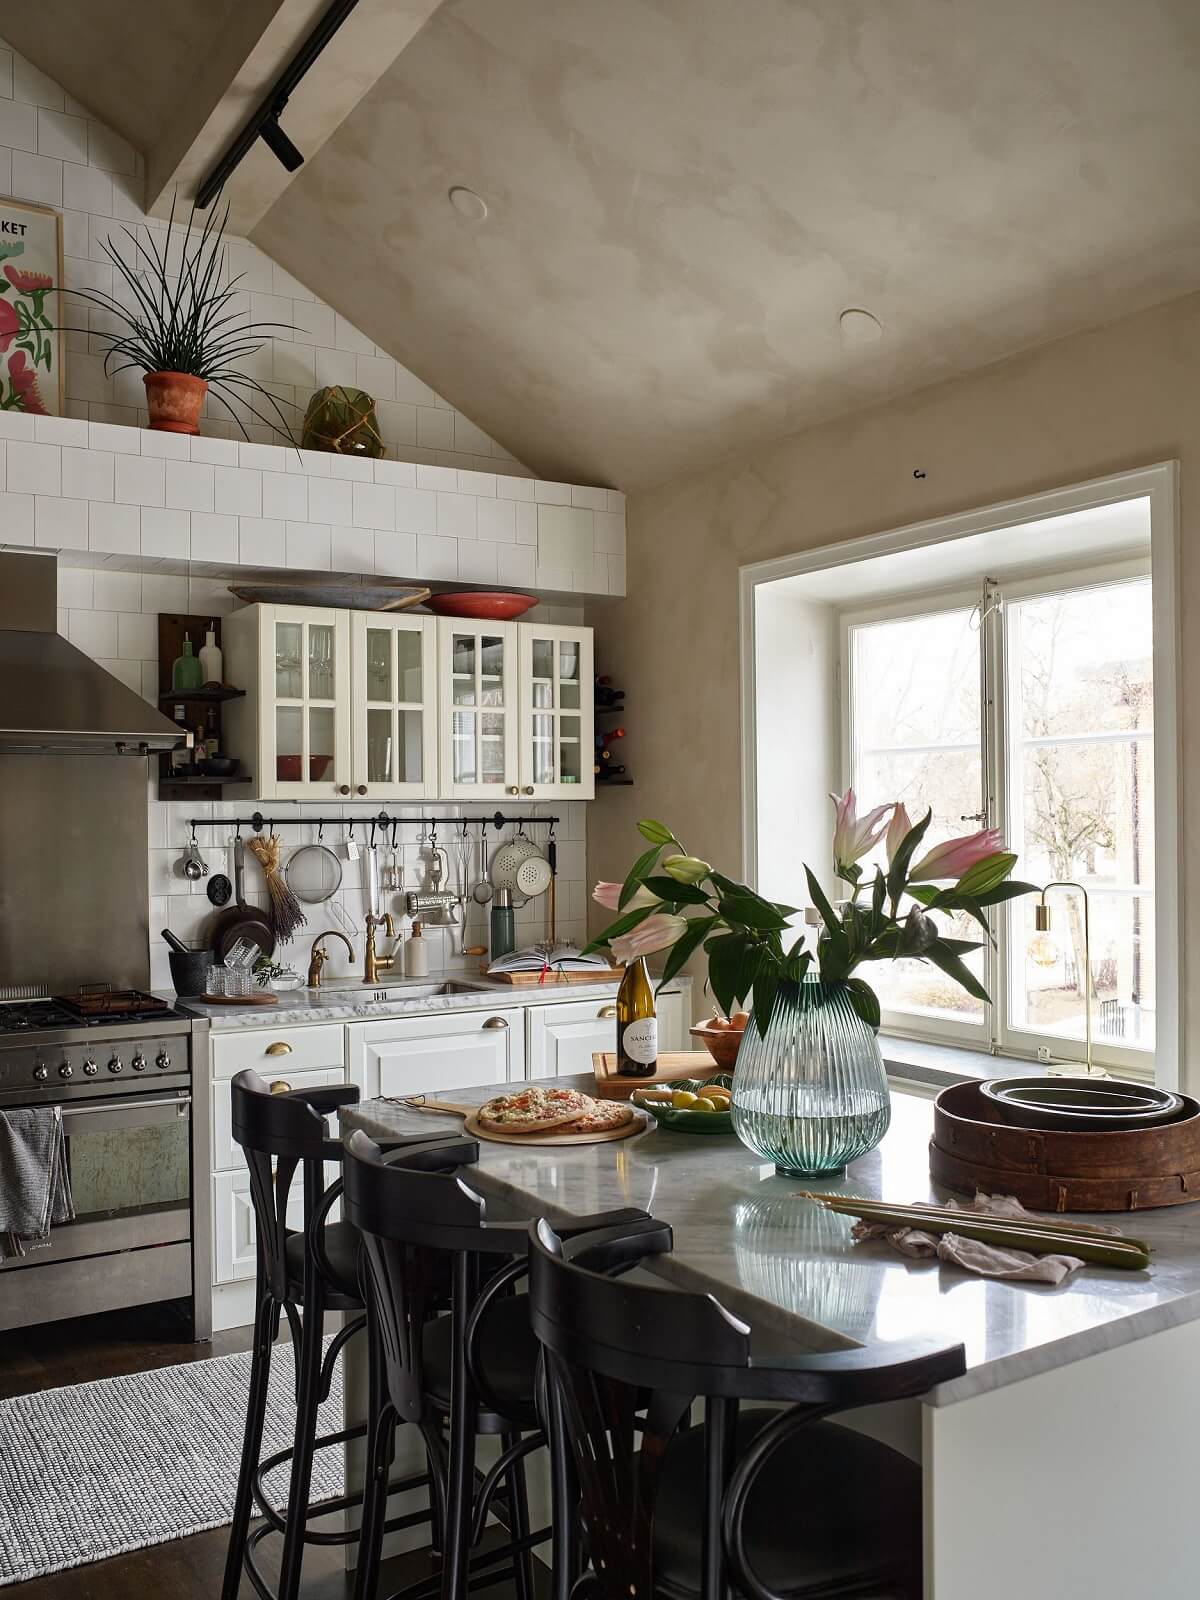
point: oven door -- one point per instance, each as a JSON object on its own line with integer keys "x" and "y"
{"x": 129, "y": 1161}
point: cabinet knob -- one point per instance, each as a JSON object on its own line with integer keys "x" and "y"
{"x": 528, "y": 789}
{"x": 362, "y": 789}
{"x": 496, "y": 1022}
{"x": 512, "y": 789}
{"x": 607, "y": 1011}
{"x": 279, "y": 1048}
{"x": 280, "y": 1086}
{"x": 343, "y": 788}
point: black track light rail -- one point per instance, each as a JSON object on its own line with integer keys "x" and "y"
{"x": 264, "y": 124}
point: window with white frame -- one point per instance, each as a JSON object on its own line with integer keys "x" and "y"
{"x": 1025, "y": 704}
{"x": 1014, "y": 666}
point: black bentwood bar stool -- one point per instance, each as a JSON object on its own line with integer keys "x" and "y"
{"x": 766, "y": 1503}
{"x": 471, "y": 1371}
{"x": 303, "y": 1274}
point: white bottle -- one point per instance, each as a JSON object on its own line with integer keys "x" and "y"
{"x": 416, "y": 954}
{"x": 210, "y": 658}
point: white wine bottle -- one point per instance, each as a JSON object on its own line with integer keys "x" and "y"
{"x": 637, "y": 1025}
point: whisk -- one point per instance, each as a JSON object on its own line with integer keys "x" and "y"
{"x": 285, "y": 908}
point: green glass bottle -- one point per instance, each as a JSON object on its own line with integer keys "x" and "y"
{"x": 186, "y": 672}
{"x": 637, "y": 1025}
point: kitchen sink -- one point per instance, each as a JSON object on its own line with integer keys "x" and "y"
{"x": 401, "y": 988}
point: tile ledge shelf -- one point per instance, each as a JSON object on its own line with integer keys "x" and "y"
{"x": 103, "y": 494}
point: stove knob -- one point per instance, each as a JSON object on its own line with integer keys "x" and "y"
{"x": 41, "y": 1072}
{"x": 66, "y": 1070}
{"x": 139, "y": 1062}
{"x": 162, "y": 1060}
{"x": 90, "y": 1068}
{"x": 115, "y": 1064}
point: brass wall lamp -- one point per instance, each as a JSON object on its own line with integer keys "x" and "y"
{"x": 1044, "y": 951}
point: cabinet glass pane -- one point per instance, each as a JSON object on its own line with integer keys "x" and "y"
{"x": 289, "y": 739}
{"x": 289, "y": 658}
{"x": 464, "y": 691}
{"x": 568, "y": 694}
{"x": 543, "y": 693}
{"x": 379, "y": 746}
{"x": 491, "y": 658}
{"x": 463, "y": 741}
{"x": 320, "y": 662}
{"x": 543, "y": 658}
{"x": 379, "y": 664}
{"x": 570, "y": 750}
{"x": 320, "y": 742}
{"x": 543, "y": 749}
{"x": 462, "y": 654}
{"x": 408, "y": 666}
{"x": 408, "y": 756}
{"x": 491, "y": 754}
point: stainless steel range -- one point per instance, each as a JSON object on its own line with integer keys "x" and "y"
{"x": 119, "y": 1065}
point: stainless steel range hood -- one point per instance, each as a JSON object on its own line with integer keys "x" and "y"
{"x": 53, "y": 698}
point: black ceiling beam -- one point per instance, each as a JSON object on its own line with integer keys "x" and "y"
{"x": 264, "y": 124}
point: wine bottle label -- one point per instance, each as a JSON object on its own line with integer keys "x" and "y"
{"x": 639, "y": 1041}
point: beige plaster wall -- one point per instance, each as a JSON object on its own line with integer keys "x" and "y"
{"x": 1121, "y": 396}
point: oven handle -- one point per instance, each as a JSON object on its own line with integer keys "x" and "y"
{"x": 86, "y": 1109}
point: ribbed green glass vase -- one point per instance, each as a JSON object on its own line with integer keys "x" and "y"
{"x": 813, "y": 1094}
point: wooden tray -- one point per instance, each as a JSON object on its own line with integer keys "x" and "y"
{"x": 675, "y": 1064}
{"x": 1117, "y": 1170}
{"x": 471, "y": 1126}
{"x": 526, "y": 980}
{"x": 263, "y": 998}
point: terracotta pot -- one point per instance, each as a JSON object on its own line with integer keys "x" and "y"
{"x": 174, "y": 400}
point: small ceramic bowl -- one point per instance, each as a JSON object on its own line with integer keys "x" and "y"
{"x": 721, "y": 1043}
{"x": 679, "y": 1119}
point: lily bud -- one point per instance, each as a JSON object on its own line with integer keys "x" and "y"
{"x": 686, "y": 869}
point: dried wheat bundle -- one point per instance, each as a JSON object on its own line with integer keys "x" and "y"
{"x": 285, "y": 908}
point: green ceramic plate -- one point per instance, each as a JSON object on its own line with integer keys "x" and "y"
{"x": 684, "y": 1121}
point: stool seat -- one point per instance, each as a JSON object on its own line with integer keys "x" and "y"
{"x": 835, "y": 1514}
{"x": 507, "y": 1353}
{"x": 342, "y": 1244}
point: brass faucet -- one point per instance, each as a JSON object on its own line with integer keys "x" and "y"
{"x": 374, "y": 964}
{"x": 320, "y": 956}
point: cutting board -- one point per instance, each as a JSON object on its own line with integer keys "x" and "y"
{"x": 526, "y": 980}
{"x": 471, "y": 1126}
{"x": 264, "y": 997}
{"x": 671, "y": 1066}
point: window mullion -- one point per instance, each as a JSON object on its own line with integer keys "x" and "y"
{"x": 993, "y": 701}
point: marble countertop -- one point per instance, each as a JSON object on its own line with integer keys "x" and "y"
{"x": 790, "y": 1268}
{"x": 352, "y": 1001}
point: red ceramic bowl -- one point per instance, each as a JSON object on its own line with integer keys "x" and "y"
{"x": 287, "y": 768}
{"x": 487, "y": 605}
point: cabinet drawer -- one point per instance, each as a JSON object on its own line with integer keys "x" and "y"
{"x": 234, "y": 1241}
{"x": 226, "y": 1153}
{"x": 323, "y": 1046}
{"x": 415, "y": 1055}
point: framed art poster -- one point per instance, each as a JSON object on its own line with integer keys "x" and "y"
{"x": 31, "y": 343}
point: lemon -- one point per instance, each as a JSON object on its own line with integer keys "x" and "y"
{"x": 682, "y": 1098}
{"x": 703, "y": 1104}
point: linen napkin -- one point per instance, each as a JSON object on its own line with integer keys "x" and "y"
{"x": 972, "y": 1255}
{"x": 35, "y": 1189}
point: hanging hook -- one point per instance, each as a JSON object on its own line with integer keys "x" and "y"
{"x": 193, "y": 836}
{"x": 372, "y": 833}
{"x": 320, "y": 830}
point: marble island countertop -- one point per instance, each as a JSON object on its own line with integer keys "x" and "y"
{"x": 791, "y": 1268}
{"x": 350, "y": 1000}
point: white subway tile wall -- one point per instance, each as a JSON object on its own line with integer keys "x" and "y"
{"x": 56, "y": 155}
{"x": 112, "y": 616}
{"x": 104, "y": 494}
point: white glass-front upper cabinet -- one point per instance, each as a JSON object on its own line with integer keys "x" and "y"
{"x": 477, "y": 674}
{"x": 293, "y": 728}
{"x": 557, "y": 754}
{"x": 393, "y": 722}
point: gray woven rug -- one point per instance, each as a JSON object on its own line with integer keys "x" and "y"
{"x": 102, "y": 1468}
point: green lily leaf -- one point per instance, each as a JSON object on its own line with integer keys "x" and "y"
{"x": 644, "y": 864}
{"x": 697, "y": 930}
{"x": 680, "y": 894}
{"x": 954, "y": 968}
{"x": 985, "y": 874}
{"x": 898, "y": 870}
{"x": 918, "y": 933}
{"x": 865, "y": 1001}
{"x": 766, "y": 987}
{"x": 733, "y": 966}
{"x": 622, "y": 925}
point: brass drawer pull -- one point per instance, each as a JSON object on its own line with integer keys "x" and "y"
{"x": 607, "y": 1011}
{"x": 496, "y": 1022}
{"x": 279, "y": 1048}
{"x": 280, "y": 1086}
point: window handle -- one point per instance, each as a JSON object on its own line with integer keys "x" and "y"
{"x": 973, "y": 816}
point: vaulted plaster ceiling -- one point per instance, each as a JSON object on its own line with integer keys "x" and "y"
{"x": 685, "y": 194}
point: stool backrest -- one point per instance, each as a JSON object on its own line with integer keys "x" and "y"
{"x": 276, "y": 1132}
{"x": 409, "y": 1208}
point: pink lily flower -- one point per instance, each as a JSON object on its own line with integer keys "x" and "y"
{"x": 898, "y": 828}
{"x": 956, "y": 856}
{"x": 608, "y": 895}
{"x": 656, "y": 933}
{"x": 855, "y": 836}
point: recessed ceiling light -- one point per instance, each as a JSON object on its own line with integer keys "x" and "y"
{"x": 859, "y": 327}
{"x": 468, "y": 204}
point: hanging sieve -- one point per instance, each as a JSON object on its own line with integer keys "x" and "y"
{"x": 313, "y": 873}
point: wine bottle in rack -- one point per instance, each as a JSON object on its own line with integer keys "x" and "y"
{"x": 609, "y": 770}
{"x": 603, "y": 740}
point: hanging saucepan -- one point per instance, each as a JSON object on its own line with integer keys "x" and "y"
{"x": 240, "y": 921}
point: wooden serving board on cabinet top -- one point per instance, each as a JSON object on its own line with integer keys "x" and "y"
{"x": 548, "y": 975}
{"x": 671, "y": 1066}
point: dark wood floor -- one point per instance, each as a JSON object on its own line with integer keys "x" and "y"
{"x": 186, "y": 1569}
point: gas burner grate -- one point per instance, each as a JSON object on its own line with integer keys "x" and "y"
{"x": 20, "y": 1017}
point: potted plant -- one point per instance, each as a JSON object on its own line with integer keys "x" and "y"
{"x": 178, "y": 322}
{"x": 810, "y": 1092}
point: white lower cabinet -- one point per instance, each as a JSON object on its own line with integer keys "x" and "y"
{"x": 453, "y": 1050}
{"x": 563, "y": 1038}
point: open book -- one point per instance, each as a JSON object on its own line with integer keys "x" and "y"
{"x": 562, "y": 958}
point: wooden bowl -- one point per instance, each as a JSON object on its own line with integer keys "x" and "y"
{"x": 722, "y": 1044}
